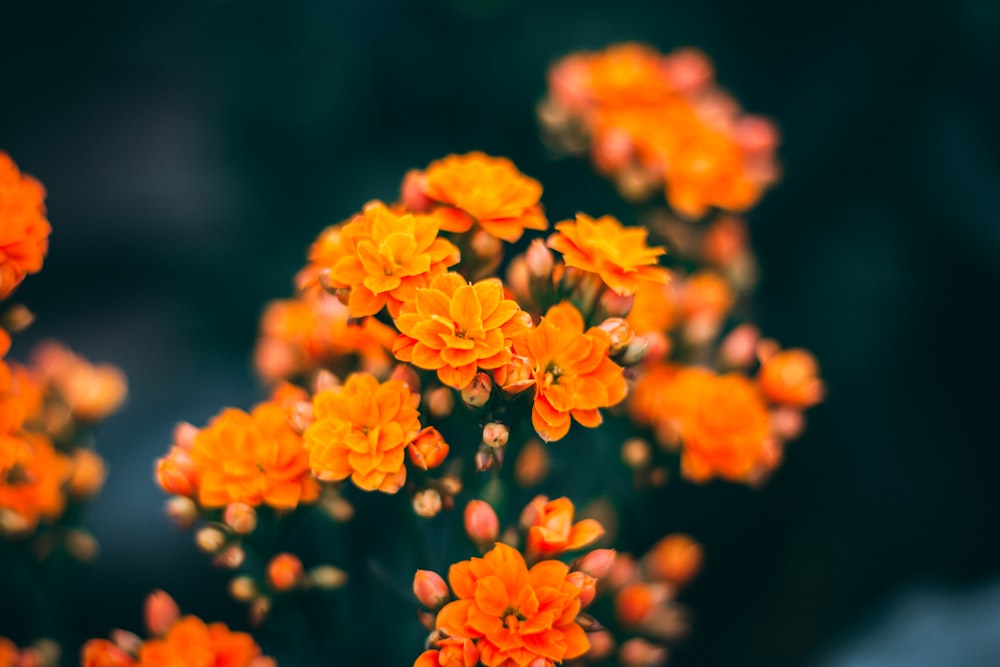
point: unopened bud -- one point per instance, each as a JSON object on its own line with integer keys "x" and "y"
{"x": 487, "y": 252}
{"x": 738, "y": 348}
{"x": 243, "y": 588}
{"x": 176, "y": 472}
{"x": 81, "y": 545}
{"x": 633, "y": 604}
{"x": 182, "y": 511}
{"x": 484, "y": 459}
{"x": 231, "y": 557}
{"x": 301, "y": 416}
{"x": 587, "y": 585}
{"x": 31, "y": 657}
{"x": 675, "y": 558}
{"x": 324, "y": 379}
{"x": 532, "y": 464}
{"x": 17, "y": 318}
{"x": 616, "y": 305}
{"x": 414, "y": 192}
{"x": 337, "y": 507}
{"x": 427, "y": 503}
{"x": 634, "y": 352}
{"x": 184, "y": 435}
{"x": 326, "y": 577}
{"x": 450, "y": 485}
{"x": 428, "y": 450}
{"x": 440, "y": 401}
{"x": 495, "y": 434}
{"x": 12, "y": 523}
{"x": 210, "y": 539}
{"x": 242, "y": 518}
{"x": 481, "y": 522}
{"x": 539, "y": 260}
{"x": 477, "y": 393}
{"x": 638, "y": 652}
{"x": 602, "y": 644}
{"x": 260, "y": 608}
{"x": 597, "y": 563}
{"x": 405, "y": 374}
{"x": 515, "y": 376}
{"x": 126, "y": 641}
{"x": 88, "y": 473}
{"x": 284, "y": 571}
{"x": 619, "y": 333}
{"x": 430, "y": 589}
{"x": 427, "y": 619}
{"x": 636, "y": 453}
{"x": 161, "y": 613}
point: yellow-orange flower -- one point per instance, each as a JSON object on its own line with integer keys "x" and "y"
{"x": 490, "y": 191}
{"x": 254, "y": 458}
{"x": 361, "y": 431}
{"x": 791, "y": 377}
{"x": 192, "y": 643}
{"x": 603, "y": 246}
{"x": 32, "y": 488}
{"x": 573, "y": 374}
{"x": 24, "y": 229}
{"x": 455, "y": 328}
{"x": 315, "y": 329}
{"x": 551, "y": 530}
{"x": 513, "y": 614}
{"x": 382, "y": 257}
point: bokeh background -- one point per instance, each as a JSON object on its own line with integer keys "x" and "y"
{"x": 193, "y": 148}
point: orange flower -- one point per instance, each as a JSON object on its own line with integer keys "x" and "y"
{"x": 192, "y": 643}
{"x": 32, "y": 488}
{"x": 91, "y": 391}
{"x": 316, "y": 330}
{"x": 707, "y": 170}
{"x": 628, "y": 74}
{"x": 428, "y": 450}
{"x": 551, "y": 530}
{"x": 726, "y": 432}
{"x": 706, "y": 295}
{"x": 455, "y": 328}
{"x": 603, "y": 246}
{"x": 8, "y": 653}
{"x": 450, "y": 653}
{"x": 24, "y": 230}
{"x": 514, "y": 615}
{"x": 382, "y": 257}
{"x": 790, "y": 377}
{"x": 102, "y": 653}
{"x": 254, "y": 458}
{"x": 487, "y": 190}
{"x": 573, "y": 374}
{"x": 361, "y": 431}
{"x": 675, "y": 558}
{"x": 654, "y": 308}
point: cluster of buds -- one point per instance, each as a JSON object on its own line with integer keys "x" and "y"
{"x": 43, "y": 653}
{"x": 283, "y": 575}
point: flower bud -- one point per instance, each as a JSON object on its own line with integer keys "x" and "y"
{"x": 161, "y": 612}
{"x": 619, "y": 333}
{"x": 81, "y": 545}
{"x": 790, "y": 377}
{"x": 532, "y": 464}
{"x": 430, "y": 589}
{"x": 210, "y": 539}
{"x": 587, "y": 585}
{"x": 495, "y": 434}
{"x": 440, "y": 401}
{"x": 633, "y": 604}
{"x": 337, "y": 507}
{"x": 301, "y": 416}
{"x": 738, "y": 348}
{"x": 639, "y": 652}
{"x": 243, "y": 588}
{"x": 518, "y": 279}
{"x": 427, "y": 503}
{"x": 408, "y": 376}
{"x": 260, "y": 608}
{"x": 126, "y": 641}
{"x": 88, "y": 473}
{"x": 602, "y": 644}
{"x": 176, "y": 472}
{"x": 16, "y": 318}
{"x": 486, "y": 255}
{"x": 414, "y": 192}
{"x": 231, "y": 557}
{"x": 242, "y": 518}
{"x": 184, "y": 435}
{"x": 612, "y": 150}
{"x": 103, "y": 653}
{"x": 428, "y": 450}
{"x": 481, "y": 522}
{"x": 787, "y": 423}
{"x": 182, "y": 511}
{"x": 515, "y": 376}
{"x": 326, "y": 577}
{"x": 636, "y": 453}
{"x": 324, "y": 379}
{"x": 597, "y": 563}
{"x": 477, "y": 393}
{"x": 675, "y": 558}
{"x": 284, "y": 571}
{"x": 539, "y": 261}
{"x": 615, "y": 305}
{"x": 450, "y": 485}
{"x": 634, "y": 352}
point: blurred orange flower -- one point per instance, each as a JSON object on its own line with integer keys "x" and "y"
{"x": 8, "y": 653}
{"x": 654, "y": 308}
{"x": 32, "y": 488}
{"x": 791, "y": 377}
{"x": 514, "y": 615}
{"x": 551, "y": 530}
{"x": 603, "y": 246}
{"x": 361, "y": 431}
{"x": 573, "y": 374}
{"x": 91, "y": 391}
{"x": 450, "y": 653}
{"x": 102, "y": 653}
{"x": 254, "y": 458}
{"x": 192, "y": 643}
{"x": 489, "y": 191}
{"x": 382, "y": 257}
{"x": 455, "y": 328}
{"x": 24, "y": 229}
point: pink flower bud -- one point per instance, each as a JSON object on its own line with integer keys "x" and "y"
{"x": 430, "y": 589}
{"x": 477, "y": 393}
{"x": 284, "y": 571}
{"x": 598, "y": 562}
{"x": 242, "y": 518}
{"x": 539, "y": 260}
{"x": 161, "y": 613}
{"x": 495, "y": 434}
{"x": 587, "y": 585}
{"x": 481, "y": 522}
{"x": 414, "y": 191}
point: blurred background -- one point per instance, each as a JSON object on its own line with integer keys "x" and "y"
{"x": 192, "y": 149}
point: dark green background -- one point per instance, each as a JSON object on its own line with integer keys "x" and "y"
{"x": 192, "y": 150}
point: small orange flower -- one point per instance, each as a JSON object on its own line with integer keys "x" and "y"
{"x": 455, "y": 328}
{"x": 316, "y": 330}
{"x": 428, "y": 450}
{"x": 91, "y": 391}
{"x": 32, "y": 488}
{"x": 654, "y": 308}
{"x": 382, "y": 257}
{"x": 665, "y": 396}
{"x": 513, "y": 614}
{"x": 361, "y": 431}
{"x": 707, "y": 170}
{"x": 24, "y": 229}
{"x": 790, "y": 377}
{"x": 603, "y": 246}
{"x": 675, "y": 558}
{"x": 450, "y": 653}
{"x": 628, "y": 74}
{"x": 486, "y": 190}
{"x": 192, "y": 643}
{"x": 573, "y": 374}
{"x": 254, "y": 458}
{"x": 706, "y": 295}
{"x": 102, "y": 653}
{"x": 551, "y": 530}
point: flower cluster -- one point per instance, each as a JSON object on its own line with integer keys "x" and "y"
{"x": 658, "y": 121}
{"x": 24, "y": 229}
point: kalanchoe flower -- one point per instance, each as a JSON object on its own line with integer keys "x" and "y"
{"x": 428, "y": 450}
{"x": 603, "y": 246}
{"x": 456, "y": 328}
{"x": 24, "y": 229}
{"x": 573, "y": 375}
{"x": 382, "y": 257}
{"x": 513, "y": 614}
{"x": 361, "y": 431}
{"x": 32, "y": 489}
{"x": 488, "y": 191}
{"x": 791, "y": 377}
{"x": 450, "y": 653}
{"x": 551, "y": 530}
